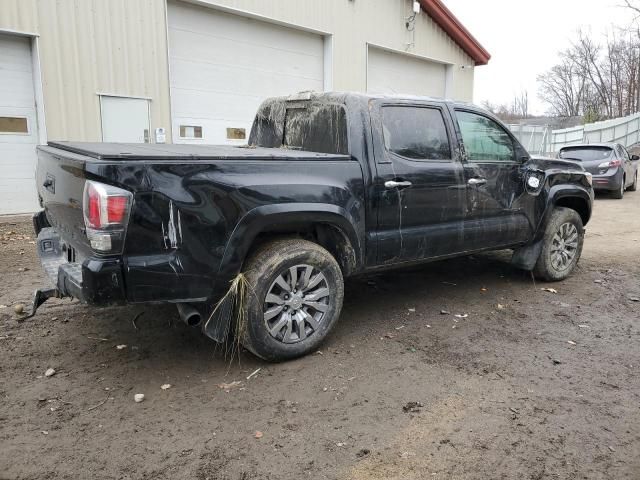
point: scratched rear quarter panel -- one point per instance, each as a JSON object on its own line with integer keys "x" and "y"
{"x": 202, "y": 204}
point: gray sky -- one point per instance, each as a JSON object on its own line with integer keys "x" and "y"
{"x": 524, "y": 38}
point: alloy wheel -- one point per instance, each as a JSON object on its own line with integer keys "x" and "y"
{"x": 564, "y": 246}
{"x": 296, "y": 304}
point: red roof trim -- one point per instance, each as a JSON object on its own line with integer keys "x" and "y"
{"x": 452, "y": 26}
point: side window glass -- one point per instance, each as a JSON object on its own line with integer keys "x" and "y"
{"x": 484, "y": 140}
{"x": 417, "y": 133}
{"x": 618, "y": 152}
{"x": 624, "y": 155}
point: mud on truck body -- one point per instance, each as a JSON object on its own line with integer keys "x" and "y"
{"x": 330, "y": 185}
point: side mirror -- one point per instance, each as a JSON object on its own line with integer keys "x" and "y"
{"x": 635, "y": 157}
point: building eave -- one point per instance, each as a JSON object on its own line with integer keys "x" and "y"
{"x": 454, "y": 28}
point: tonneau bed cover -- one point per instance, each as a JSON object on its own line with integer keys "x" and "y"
{"x": 140, "y": 151}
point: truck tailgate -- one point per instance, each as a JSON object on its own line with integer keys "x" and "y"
{"x": 60, "y": 180}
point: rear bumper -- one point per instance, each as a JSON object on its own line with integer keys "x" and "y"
{"x": 95, "y": 281}
{"x": 607, "y": 182}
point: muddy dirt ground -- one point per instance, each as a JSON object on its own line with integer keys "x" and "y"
{"x": 531, "y": 385}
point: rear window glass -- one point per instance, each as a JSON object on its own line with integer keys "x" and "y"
{"x": 415, "y": 132}
{"x": 316, "y": 128}
{"x": 586, "y": 154}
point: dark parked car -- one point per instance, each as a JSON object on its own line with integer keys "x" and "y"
{"x": 613, "y": 169}
{"x": 331, "y": 185}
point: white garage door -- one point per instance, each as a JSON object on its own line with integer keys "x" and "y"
{"x": 390, "y": 72}
{"x": 18, "y": 127}
{"x": 223, "y": 66}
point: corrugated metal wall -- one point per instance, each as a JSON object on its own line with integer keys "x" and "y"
{"x": 120, "y": 47}
{"x": 94, "y": 46}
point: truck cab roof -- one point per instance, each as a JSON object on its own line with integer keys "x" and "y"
{"x": 343, "y": 97}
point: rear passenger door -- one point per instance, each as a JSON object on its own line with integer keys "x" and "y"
{"x": 419, "y": 189}
{"x": 498, "y": 205}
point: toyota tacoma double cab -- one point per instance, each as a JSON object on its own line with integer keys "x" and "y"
{"x": 330, "y": 185}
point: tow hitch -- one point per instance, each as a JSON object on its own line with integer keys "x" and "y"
{"x": 40, "y": 296}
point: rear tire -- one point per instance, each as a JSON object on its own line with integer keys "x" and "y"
{"x": 619, "y": 194}
{"x": 562, "y": 245}
{"x": 634, "y": 185}
{"x": 294, "y": 301}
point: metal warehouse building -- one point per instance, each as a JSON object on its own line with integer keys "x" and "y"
{"x": 120, "y": 70}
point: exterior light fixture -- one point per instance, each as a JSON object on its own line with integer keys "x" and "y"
{"x": 410, "y": 21}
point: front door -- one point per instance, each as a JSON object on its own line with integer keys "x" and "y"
{"x": 124, "y": 119}
{"x": 419, "y": 186}
{"x": 627, "y": 164}
{"x": 497, "y": 198}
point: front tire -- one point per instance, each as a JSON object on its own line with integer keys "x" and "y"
{"x": 294, "y": 300}
{"x": 562, "y": 245}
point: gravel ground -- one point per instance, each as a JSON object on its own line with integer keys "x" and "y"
{"x": 530, "y": 385}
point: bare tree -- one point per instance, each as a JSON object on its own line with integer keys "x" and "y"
{"x": 595, "y": 79}
{"x": 487, "y": 105}
{"x": 562, "y": 87}
{"x": 634, "y": 5}
{"x": 516, "y": 110}
{"x": 587, "y": 55}
{"x": 520, "y": 105}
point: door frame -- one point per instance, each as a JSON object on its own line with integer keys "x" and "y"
{"x": 132, "y": 97}
{"x": 37, "y": 79}
{"x": 39, "y": 106}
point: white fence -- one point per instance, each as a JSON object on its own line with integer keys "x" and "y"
{"x": 542, "y": 140}
{"x": 535, "y": 138}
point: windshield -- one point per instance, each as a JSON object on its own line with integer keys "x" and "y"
{"x": 586, "y": 154}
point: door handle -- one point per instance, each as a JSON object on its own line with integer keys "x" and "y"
{"x": 477, "y": 181}
{"x": 394, "y": 184}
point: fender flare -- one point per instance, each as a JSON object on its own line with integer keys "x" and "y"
{"x": 262, "y": 218}
{"x": 258, "y": 220}
{"x": 526, "y": 256}
{"x": 560, "y": 192}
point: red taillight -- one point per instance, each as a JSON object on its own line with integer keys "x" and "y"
{"x": 611, "y": 164}
{"x": 105, "y": 206}
{"x": 117, "y": 208}
{"x": 93, "y": 207}
{"x": 106, "y": 213}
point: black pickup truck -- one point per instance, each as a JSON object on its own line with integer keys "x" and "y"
{"x": 330, "y": 185}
